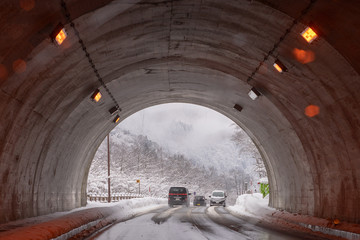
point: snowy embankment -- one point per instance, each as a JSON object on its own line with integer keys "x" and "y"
{"x": 86, "y": 219}
{"x": 256, "y": 207}
{"x": 253, "y": 205}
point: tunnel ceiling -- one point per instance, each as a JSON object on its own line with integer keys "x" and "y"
{"x": 209, "y": 53}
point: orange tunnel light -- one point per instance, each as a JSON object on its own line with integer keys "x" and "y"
{"x": 309, "y": 35}
{"x": 96, "y": 96}
{"x": 61, "y": 36}
{"x": 279, "y": 66}
{"x": 116, "y": 119}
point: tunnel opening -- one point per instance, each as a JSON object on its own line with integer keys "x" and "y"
{"x": 175, "y": 144}
{"x": 176, "y": 51}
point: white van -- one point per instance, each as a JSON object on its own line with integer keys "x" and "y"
{"x": 218, "y": 198}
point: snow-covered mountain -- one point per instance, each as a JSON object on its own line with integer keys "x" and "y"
{"x": 135, "y": 157}
{"x": 198, "y": 133}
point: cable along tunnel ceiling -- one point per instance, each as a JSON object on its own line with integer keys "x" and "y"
{"x": 202, "y": 52}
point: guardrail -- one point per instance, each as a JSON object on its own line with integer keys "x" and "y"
{"x": 114, "y": 197}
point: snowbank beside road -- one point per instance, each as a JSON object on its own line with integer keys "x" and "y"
{"x": 126, "y": 209}
{"x": 256, "y": 207}
{"x": 253, "y": 205}
{"x": 134, "y": 203}
{"x": 67, "y": 224}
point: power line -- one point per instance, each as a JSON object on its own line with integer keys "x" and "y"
{"x": 87, "y": 54}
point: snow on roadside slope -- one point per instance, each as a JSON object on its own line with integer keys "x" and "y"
{"x": 128, "y": 208}
{"x": 253, "y": 205}
{"x": 56, "y": 225}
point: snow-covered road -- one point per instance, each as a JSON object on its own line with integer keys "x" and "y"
{"x": 151, "y": 218}
{"x": 190, "y": 223}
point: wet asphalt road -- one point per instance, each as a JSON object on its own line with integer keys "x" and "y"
{"x": 196, "y": 223}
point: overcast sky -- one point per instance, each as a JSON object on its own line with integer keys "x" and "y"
{"x": 188, "y": 129}
{"x": 158, "y": 122}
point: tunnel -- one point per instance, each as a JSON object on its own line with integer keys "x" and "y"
{"x": 140, "y": 53}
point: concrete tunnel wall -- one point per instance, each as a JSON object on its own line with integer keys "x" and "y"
{"x": 151, "y": 52}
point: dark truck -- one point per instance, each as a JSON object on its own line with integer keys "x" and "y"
{"x": 179, "y": 196}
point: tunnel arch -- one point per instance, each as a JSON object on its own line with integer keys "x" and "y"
{"x": 152, "y": 52}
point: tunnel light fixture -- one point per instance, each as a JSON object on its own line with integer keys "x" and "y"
{"x": 254, "y": 93}
{"x": 238, "y": 107}
{"x": 309, "y": 34}
{"x": 116, "y": 119}
{"x": 59, "y": 34}
{"x": 113, "y": 110}
{"x": 279, "y": 66}
{"x": 96, "y": 96}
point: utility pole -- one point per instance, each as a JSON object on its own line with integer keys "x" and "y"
{"x": 237, "y": 187}
{"x": 108, "y": 147}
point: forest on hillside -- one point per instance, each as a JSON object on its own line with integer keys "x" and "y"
{"x": 135, "y": 157}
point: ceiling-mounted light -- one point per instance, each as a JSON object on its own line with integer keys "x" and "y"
{"x": 254, "y": 93}
{"x": 59, "y": 34}
{"x": 116, "y": 119}
{"x": 238, "y": 107}
{"x": 96, "y": 96}
{"x": 309, "y": 34}
{"x": 279, "y": 66}
{"x": 113, "y": 110}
